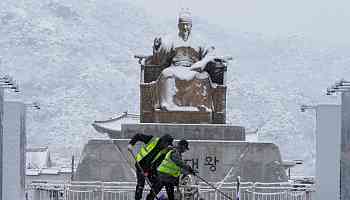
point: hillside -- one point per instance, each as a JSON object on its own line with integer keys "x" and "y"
{"x": 76, "y": 58}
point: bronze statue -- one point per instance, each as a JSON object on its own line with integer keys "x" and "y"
{"x": 178, "y": 79}
{"x": 185, "y": 85}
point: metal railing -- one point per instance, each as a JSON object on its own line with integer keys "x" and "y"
{"x": 44, "y": 190}
{"x": 125, "y": 191}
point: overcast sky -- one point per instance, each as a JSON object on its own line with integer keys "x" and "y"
{"x": 321, "y": 20}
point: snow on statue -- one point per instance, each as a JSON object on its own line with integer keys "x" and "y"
{"x": 185, "y": 85}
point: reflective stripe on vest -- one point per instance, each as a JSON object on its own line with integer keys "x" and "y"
{"x": 144, "y": 151}
{"x": 169, "y": 167}
{"x": 162, "y": 152}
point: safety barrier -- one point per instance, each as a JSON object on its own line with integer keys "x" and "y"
{"x": 125, "y": 191}
{"x": 256, "y": 192}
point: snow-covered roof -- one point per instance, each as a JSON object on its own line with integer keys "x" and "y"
{"x": 38, "y": 158}
{"x": 113, "y": 125}
{"x": 48, "y": 171}
{"x": 51, "y": 171}
{"x": 32, "y": 172}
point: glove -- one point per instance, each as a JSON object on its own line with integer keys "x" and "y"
{"x": 191, "y": 170}
{"x": 130, "y": 147}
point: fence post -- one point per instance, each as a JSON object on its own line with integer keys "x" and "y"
{"x": 102, "y": 191}
{"x": 72, "y": 168}
{"x": 253, "y": 191}
{"x": 199, "y": 191}
{"x": 65, "y": 191}
{"x": 238, "y": 187}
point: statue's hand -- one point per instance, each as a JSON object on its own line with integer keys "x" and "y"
{"x": 223, "y": 59}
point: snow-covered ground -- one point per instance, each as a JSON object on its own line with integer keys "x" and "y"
{"x": 76, "y": 58}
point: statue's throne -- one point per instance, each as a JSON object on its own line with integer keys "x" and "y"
{"x": 150, "y": 110}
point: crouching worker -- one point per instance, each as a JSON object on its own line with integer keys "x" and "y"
{"x": 169, "y": 171}
{"x": 155, "y": 148}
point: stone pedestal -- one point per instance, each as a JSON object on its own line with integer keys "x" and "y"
{"x": 257, "y": 162}
{"x": 216, "y": 151}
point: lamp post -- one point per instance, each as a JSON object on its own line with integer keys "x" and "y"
{"x": 6, "y": 82}
{"x": 343, "y": 87}
{"x": 34, "y": 105}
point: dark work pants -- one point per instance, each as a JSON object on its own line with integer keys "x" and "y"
{"x": 140, "y": 184}
{"x": 157, "y": 187}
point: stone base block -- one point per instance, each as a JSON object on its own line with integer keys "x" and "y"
{"x": 185, "y": 131}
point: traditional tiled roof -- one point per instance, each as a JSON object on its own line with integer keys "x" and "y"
{"x": 113, "y": 125}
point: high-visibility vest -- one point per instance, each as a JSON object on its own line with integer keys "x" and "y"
{"x": 146, "y": 149}
{"x": 169, "y": 167}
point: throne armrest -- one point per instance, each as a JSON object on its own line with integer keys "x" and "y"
{"x": 149, "y": 93}
{"x": 219, "y": 104}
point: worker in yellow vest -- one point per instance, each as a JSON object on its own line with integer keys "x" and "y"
{"x": 153, "y": 150}
{"x": 169, "y": 171}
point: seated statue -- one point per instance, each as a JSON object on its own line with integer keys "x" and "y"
{"x": 185, "y": 84}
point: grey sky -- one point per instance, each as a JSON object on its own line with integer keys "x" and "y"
{"x": 322, "y": 20}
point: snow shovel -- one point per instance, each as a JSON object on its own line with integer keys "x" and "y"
{"x": 237, "y": 188}
{"x": 125, "y": 159}
{"x": 212, "y": 186}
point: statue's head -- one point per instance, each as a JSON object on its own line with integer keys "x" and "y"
{"x": 185, "y": 25}
{"x": 157, "y": 43}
